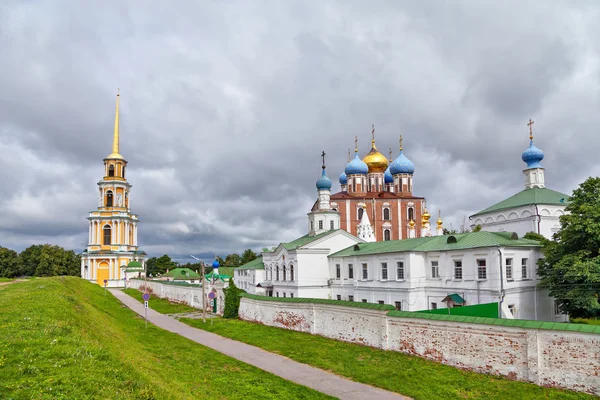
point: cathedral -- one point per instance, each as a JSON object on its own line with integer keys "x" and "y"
{"x": 376, "y": 201}
{"x": 112, "y": 255}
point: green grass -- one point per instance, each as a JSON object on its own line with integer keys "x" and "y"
{"x": 62, "y": 338}
{"x": 6, "y": 279}
{"x": 162, "y": 306}
{"x": 587, "y": 321}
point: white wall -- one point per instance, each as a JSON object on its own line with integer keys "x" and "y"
{"x": 192, "y": 296}
{"x": 545, "y": 357}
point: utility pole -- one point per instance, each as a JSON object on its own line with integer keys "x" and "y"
{"x": 203, "y": 294}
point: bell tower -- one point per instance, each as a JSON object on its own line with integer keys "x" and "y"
{"x": 113, "y": 254}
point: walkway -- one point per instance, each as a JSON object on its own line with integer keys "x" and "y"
{"x": 302, "y": 374}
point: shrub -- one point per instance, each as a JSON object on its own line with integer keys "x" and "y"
{"x": 232, "y": 300}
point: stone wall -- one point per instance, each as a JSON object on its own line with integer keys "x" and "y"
{"x": 190, "y": 295}
{"x": 544, "y": 353}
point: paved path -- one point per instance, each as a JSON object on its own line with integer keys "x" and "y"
{"x": 302, "y": 374}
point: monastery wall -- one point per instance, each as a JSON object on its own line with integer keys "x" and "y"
{"x": 190, "y": 295}
{"x": 548, "y": 354}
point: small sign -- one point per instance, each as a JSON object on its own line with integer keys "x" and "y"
{"x": 146, "y": 297}
{"x": 105, "y": 281}
{"x": 145, "y": 304}
{"x": 211, "y": 295}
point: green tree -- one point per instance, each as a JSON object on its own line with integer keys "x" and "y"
{"x": 232, "y": 300}
{"x": 54, "y": 260}
{"x": 247, "y": 256}
{"x": 233, "y": 260}
{"x": 535, "y": 236}
{"x": 10, "y": 264}
{"x": 30, "y": 258}
{"x": 571, "y": 266}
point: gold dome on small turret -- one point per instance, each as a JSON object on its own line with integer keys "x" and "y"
{"x": 376, "y": 161}
{"x": 411, "y": 224}
{"x": 426, "y": 215}
{"x": 439, "y": 221}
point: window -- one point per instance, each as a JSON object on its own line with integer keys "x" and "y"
{"x": 433, "y": 306}
{"x": 513, "y": 310}
{"x": 384, "y": 271}
{"x": 524, "y": 268}
{"x": 339, "y": 297}
{"x": 509, "y": 269}
{"x": 338, "y": 272}
{"x": 277, "y": 293}
{"x": 435, "y": 269}
{"x": 123, "y": 171}
{"x": 411, "y": 214}
{"x": 386, "y": 234}
{"x": 380, "y": 301}
{"x": 350, "y": 298}
{"x": 399, "y": 305}
{"x": 320, "y": 224}
{"x": 481, "y": 269}
{"x": 364, "y": 300}
{"x": 400, "y": 270}
{"x": 277, "y": 274}
{"x": 107, "y": 236}
{"x": 284, "y": 272}
{"x": 291, "y": 294}
{"x": 360, "y": 213}
{"x": 386, "y": 214}
{"x": 331, "y": 226}
{"x": 111, "y": 170}
{"x": 457, "y": 269}
{"x": 365, "y": 271}
{"x": 109, "y": 199}
{"x": 283, "y": 294}
{"x": 292, "y": 272}
{"x": 350, "y": 271}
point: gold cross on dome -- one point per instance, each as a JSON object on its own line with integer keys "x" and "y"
{"x": 400, "y": 142}
{"x": 323, "y": 156}
{"x": 530, "y": 124}
{"x": 373, "y": 132}
{"x": 355, "y": 143}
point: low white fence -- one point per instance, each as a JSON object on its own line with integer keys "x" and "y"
{"x": 190, "y": 295}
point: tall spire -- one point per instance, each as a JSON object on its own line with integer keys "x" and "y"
{"x": 115, "y": 151}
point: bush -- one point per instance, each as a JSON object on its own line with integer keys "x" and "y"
{"x": 232, "y": 300}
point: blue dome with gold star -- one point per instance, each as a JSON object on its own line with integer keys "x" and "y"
{"x": 323, "y": 183}
{"x": 343, "y": 179}
{"x": 356, "y": 166}
{"x": 402, "y": 165}
{"x": 532, "y": 156}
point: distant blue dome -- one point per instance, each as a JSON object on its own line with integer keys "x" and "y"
{"x": 343, "y": 179}
{"x": 356, "y": 166}
{"x": 323, "y": 183}
{"x": 215, "y": 264}
{"x": 402, "y": 165}
{"x": 387, "y": 176}
{"x": 532, "y": 156}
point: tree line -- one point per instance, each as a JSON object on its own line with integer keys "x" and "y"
{"x": 159, "y": 265}
{"x": 39, "y": 260}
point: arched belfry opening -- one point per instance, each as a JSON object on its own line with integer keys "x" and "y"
{"x": 111, "y": 170}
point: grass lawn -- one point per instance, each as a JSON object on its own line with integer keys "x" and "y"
{"x": 6, "y": 279}
{"x": 162, "y": 306}
{"x": 409, "y": 375}
{"x": 62, "y": 338}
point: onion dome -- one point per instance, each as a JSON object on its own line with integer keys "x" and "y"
{"x": 426, "y": 215}
{"x": 343, "y": 179}
{"x": 376, "y": 162}
{"x": 387, "y": 176}
{"x": 356, "y": 166}
{"x": 439, "y": 221}
{"x": 411, "y": 224}
{"x": 402, "y": 165}
{"x": 323, "y": 183}
{"x": 532, "y": 156}
{"x": 215, "y": 264}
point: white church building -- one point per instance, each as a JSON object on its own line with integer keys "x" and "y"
{"x": 420, "y": 273}
{"x": 534, "y": 209}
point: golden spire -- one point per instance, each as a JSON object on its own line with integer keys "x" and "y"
{"x": 439, "y": 221}
{"x": 530, "y": 124}
{"x": 400, "y": 142}
{"x": 115, "y": 151}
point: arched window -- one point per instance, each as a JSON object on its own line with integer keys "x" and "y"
{"x": 277, "y": 272}
{"x": 360, "y": 213}
{"x": 111, "y": 170}
{"x": 386, "y": 214}
{"x": 107, "y": 235}
{"x": 411, "y": 214}
{"x": 386, "y": 234}
{"x": 109, "y": 198}
{"x": 284, "y": 272}
{"x": 292, "y": 272}
{"x": 123, "y": 171}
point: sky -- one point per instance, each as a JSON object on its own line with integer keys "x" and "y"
{"x": 227, "y": 105}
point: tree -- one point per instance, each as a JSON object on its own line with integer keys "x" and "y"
{"x": 535, "y": 236}
{"x": 159, "y": 265}
{"x": 477, "y": 228}
{"x": 30, "y": 258}
{"x": 54, "y": 260}
{"x": 247, "y": 256}
{"x": 232, "y": 300}
{"x": 10, "y": 264}
{"x": 571, "y": 267}
{"x": 233, "y": 260}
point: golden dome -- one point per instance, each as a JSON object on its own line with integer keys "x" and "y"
{"x": 426, "y": 215}
{"x": 376, "y": 161}
{"x": 439, "y": 221}
{"x": 411, "y": 224}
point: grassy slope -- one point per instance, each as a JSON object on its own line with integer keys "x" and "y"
{"x": 401, "y": 373}
{"x": 62, "y": 338}
{"x": 2, "y": 279}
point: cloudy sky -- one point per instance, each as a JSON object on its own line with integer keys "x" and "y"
{"x": 226, "y": 106}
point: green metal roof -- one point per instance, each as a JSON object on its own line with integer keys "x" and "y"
{"x": 357, "y": 304}
{"x": 134, "y": 264}
{"x": 257, "y": 263}
{"x": 182, "y": 274}
{"x": 529, "y": 197}
{"x": 438, "y": 243}
{"x": 455, "y": 297}
{"x": 217, "y": 276}
{"x": 304, "y": 240}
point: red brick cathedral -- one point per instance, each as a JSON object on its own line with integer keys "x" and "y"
{"x": 383, "y": 190}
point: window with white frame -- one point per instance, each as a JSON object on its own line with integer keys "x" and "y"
{"x": 277, "y": 273}
{"x": 386, "y": 214}
{"x": 513, "y": 310}
{"x": 283, "y": 294}
{"x": 350, "y": 298}
{"x": 386, "y": 235}
{"x": 350, "y": 271}
{"x": 435, "y": 269}
{"x": 365, "y": 271}
{"x": 411, "y": 214}
{"x": 458, "y": 270}
{"x": 384, "y": 271}
{"x": 292, "y": 272}
{"x": 481, "y": 269}
{"x": 320, "y": 224}
{"x": 339, "y": 297}
{"x": 284, "y": 272}
{"x": 433, "y": 306}
{"x": 360, "y": 213}
{"x": 400, "y": 270}
{"x": 338, "y": 271}
{"x": 524, "y": 274}
{"x": 509, "y": 269}
{"x": 291, "y": 294}
{"x": 331, "y": 226}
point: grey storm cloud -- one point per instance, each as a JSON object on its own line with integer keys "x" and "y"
{"x": 226, "y": 107}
